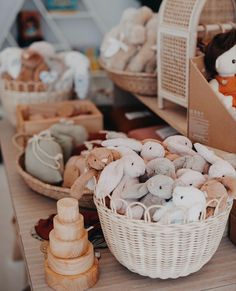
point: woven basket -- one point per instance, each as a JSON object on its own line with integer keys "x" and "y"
{"x": 54, "y": 192}
{"x": 137, "y": 83}
{"x": 161, "y": 251}
{"x": 14, "y": 93}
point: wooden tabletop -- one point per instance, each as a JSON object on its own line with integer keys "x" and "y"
{"x": 218, "y": 275}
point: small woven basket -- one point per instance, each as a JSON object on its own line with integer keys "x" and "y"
{"x": 161, "y": 251}
{"x": 144, "y": 84}
{"x": 51, "y": 191}
{"x": 14, "y": 93}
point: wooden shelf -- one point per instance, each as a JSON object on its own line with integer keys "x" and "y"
{"x": 173, "y": 114}
{"x": 73, "y": 14}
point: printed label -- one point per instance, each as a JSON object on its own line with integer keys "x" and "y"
{"x": 199, "y": 126}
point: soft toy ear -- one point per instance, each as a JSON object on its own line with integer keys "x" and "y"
{"x": 116, "y": 155}
{"x": 208, "y": 155}
{"x": 135, "y": 191}
{"x": 77, "y": 188}
{"x": 230, "y": 185}
{"x": 126, "y": 142}
{"x": 109, "y": 178}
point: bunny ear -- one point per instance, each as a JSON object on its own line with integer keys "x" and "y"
{"x": 126, "y": 142}
{"x": 109, "y": 179}
{"x": 135, "y": 191}
{"x": 208, "y": 155}
{"x": 77, "y": 189}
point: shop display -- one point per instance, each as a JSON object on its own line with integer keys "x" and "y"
{"x": 70, "y": 259}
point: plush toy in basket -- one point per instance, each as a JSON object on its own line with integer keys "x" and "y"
{"x": 128, "y": 51}
{"x": 38, "y": 74}
{"x": 164, "y": 206}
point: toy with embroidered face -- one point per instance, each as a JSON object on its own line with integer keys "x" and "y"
{"x": 155, "y": 191}
{"x": 180, "y": 145}
{"x": 188, "y": 204}
{"x": 117, "y": 177}
{"x": 152, "y": 150}
{"x": 188, "y": 177}
{"x": 95, "y": 162}
{"x": 220, "y": 61}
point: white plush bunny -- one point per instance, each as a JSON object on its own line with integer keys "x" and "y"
{"x": 160, "y": 166}
{"x": 155, "y": 191}
{"x": 188, "y": 204}
{"x": 10, "y": 61}
{"x": 178, "y": 144}
{"x": 151, "y": 150}
{"x": 188, "y": 177}
{"x": 117, "y": 177}
{"x": 219, "y": 167}
{"x": 131, "y": 143}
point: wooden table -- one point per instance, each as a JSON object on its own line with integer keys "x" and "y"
{"x": 219, "y": 274}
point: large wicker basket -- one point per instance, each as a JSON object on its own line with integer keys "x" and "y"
{"x": 51, "y": 191}
{"x": 14, "y": 93}
{"x": 161, "y": 251}
{"x": 144, "y": 84}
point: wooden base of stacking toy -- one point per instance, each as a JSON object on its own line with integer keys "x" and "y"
{"x": 76, "y": 282}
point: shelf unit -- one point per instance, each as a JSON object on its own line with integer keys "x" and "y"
{"x": 173, "y": 114}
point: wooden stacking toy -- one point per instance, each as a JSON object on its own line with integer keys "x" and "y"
{"x": 70, "y": 263}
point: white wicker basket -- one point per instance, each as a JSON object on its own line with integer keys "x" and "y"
{"x": 161, "y": 251}
{"x": 11, "y": 97}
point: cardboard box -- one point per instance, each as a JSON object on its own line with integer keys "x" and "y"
{"x": 209, "y": 122}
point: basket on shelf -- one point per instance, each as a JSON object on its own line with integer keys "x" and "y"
{"x": 51, "y": 191}
{"x": 144, "y": 84}
{"x": 161, "y": 251}
{"x": 14, "y": 93}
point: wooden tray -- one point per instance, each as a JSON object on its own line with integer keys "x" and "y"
{"x": 51, "y": 191}
{"x": 93, "y": 122}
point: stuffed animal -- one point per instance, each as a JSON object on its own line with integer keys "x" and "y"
{"x": 160, "y": 166}
{"x": 220, "y": 59}
{"x": 117, "y": 177}
{"x": 147, "y": 53}
{"x": 156, "y": 191}
{"x": 10, "y": 62}
{"x": 188, "y": 177}
{"x": 122, "y": 43}
{"x": 68, "y": 135}
{"x": 44, "y": 158}
{"x": 45, "y": 49}
{"x": 75, "y": 166}
{"x": 151, "y": 150}
{"x": 188, "y": 204}
{"x": 180, "y": 145}
{"x": 196, "y": 163}
{"x": 219, "y": 167}
{"x": 95, "y": 162}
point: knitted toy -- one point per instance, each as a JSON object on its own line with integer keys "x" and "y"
{"x": 220, "y": 59}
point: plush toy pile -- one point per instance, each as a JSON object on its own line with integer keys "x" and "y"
{"x": 183, "y": 184}
{"x": 52, "y": 71}
{"x": 131, "y": 45}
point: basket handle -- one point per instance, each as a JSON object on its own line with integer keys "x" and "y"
{"x": 15, "y": 140}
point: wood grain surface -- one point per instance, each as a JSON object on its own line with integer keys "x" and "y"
{"x": 218, "y": 275}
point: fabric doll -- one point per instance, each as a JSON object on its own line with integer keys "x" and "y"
{"x": 220, "y": 62}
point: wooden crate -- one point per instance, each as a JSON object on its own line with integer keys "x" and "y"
{"x": 93, "y": 121}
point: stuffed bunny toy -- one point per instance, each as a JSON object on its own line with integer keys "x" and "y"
{"x": 178, "y": 144}
{"x": 148, "y": 50}
{"x": 130, "y": 143}
{"x": 95, "y": 162}
{"x": 188, "y": 177}
{"x": 10, "y": 60}
{"x": 151, "y": 150}
{"x": 68, "y": 135}
{"x": 44, "y": 159}
{"x": 160, "y": 166}
{"x": 33, "y": 65}
{"x": 155, "y": 191}
{"x": 196, "y": 163}
{"x": 126, "y": 38}
{"x": 188, "y": 204}
{"x": 219, "y": 167}
{"x": 220, "y": 63}
{"x": 117, "y": 177}
{"x": 75, "y": 166}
